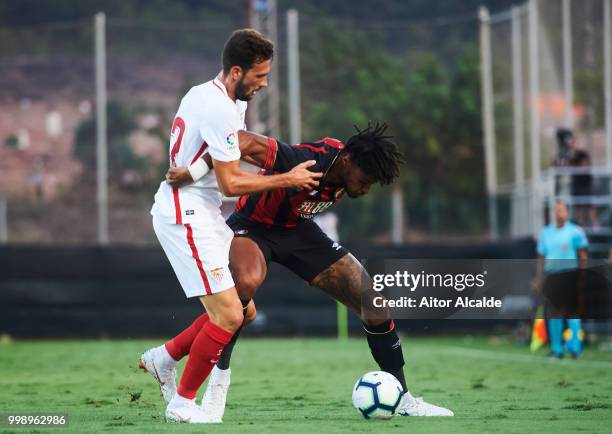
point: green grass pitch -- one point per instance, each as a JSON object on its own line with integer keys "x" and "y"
{"x": 304, "y": 386}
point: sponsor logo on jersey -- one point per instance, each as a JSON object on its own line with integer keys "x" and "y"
{"x": 189, "y": 212}
{"x": 241, "y": 232}
{"x": 217, "y": 274}
{"x": 336, "y": 246}
{"x": 231, "y": 140}
{"x": 309, "y": 208}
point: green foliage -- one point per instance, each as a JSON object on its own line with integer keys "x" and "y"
{"x": 588, "y": 90}
{"x": 12, "y": 141}
{"x": 385, "y": 70}
{"x": 121, "y": 123}
{"x": 432, "y": 110}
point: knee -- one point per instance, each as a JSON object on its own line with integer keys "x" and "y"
{"x": 231, "y": 318}
{"x": 247, "y": 284}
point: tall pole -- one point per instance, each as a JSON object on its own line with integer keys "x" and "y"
{"x": 101, "y": 140}
{"x": 486, "y": 81}
{"x": 517, "y": 98}
{"x": 273, "y": 87}
{"x": 397, "y": 214}
{"x": 518, "y": 205}
{"x": 293, "y": 60}
{"x": 608, "y": 79}
{"x": 534, "y": 91}
{"x": 263, "y": 115}
{"x": 568, "y": 70}
{"x": 3, "y": 220}
{"x": 254, "y": 111}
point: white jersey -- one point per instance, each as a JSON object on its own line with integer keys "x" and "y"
{"x": 207, "y": 121}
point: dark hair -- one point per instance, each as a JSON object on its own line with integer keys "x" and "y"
{"x": 374, "y": 153}
{"x": 245, "y": 48}
{"x": 564, "y": 135}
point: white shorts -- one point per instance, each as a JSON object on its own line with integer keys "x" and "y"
{"x": 198, "y": 253}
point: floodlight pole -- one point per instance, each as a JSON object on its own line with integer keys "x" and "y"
{"x": 293, "y": 71}
{"x": 263, "y": 115}
{"x": 534, "y": 91}
{"x": 518, "y": 225}
{"x": 486, "y": 81}
{"x": 274, "y": 84}
{"x": 517, "y": 98}
{"x": 568, "y": 70}
{"x": 101, "y": 139}
{"x": 608, "y": 79}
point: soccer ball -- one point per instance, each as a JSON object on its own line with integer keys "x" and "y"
{"x": 377, "y": 395}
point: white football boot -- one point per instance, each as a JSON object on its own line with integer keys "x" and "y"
{"x": 185, "y": 410}
{"x": 213, "y": 402}
{"x": 162, "y": 367}
{"x": 411, "y": 406}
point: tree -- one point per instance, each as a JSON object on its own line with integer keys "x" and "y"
{"x": 349, "y": 86}
{"x": 433, "y": 111}
{"x": 121, "y": 123}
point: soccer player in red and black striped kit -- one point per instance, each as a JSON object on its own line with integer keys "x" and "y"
{"x": 277, "y": 226}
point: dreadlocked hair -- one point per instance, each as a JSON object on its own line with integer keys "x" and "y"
{"x": 374, "y": 153}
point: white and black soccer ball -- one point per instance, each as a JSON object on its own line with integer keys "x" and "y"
{"x": 377, "y": 395}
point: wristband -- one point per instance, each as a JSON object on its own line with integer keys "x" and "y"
{"x": 198, "y": 169}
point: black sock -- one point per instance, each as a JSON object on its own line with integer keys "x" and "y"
{"x": 226, "y": 354}
{"x": 386, "y": 349}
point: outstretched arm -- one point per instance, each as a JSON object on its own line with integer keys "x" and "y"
{"x": 233, "y": 181}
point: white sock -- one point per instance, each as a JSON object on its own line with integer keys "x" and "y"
{"x": 166, "y": 359}
{"x": 220, "y": 376}
{"x": 178, "y": 400}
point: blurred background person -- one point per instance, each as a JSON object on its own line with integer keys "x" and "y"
{"x": 566, "y": 146}
{"x": 582, "y": 187}
{"x": 562, "y": 247}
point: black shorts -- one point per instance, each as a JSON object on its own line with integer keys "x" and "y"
{"x": 304, "y": 249}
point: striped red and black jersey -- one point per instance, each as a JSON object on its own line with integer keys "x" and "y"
{"x": 288, "y": 207}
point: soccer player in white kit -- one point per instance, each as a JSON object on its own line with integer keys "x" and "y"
{"x": 188, "y": 221}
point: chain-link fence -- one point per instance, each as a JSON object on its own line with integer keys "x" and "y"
{"x": 419, "y": 76}
{"x": 549, "y": 79}
{"x": 49, "y": 124}
{"x": 422, "y": 78}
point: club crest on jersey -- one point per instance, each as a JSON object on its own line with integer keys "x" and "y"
{"x": 217, "y": 274}
{"x": 309, "y": 208}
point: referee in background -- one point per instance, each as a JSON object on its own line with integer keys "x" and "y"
{"x": 562, "y": 259}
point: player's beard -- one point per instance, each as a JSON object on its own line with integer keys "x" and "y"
{"x": 242, "y": 91}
